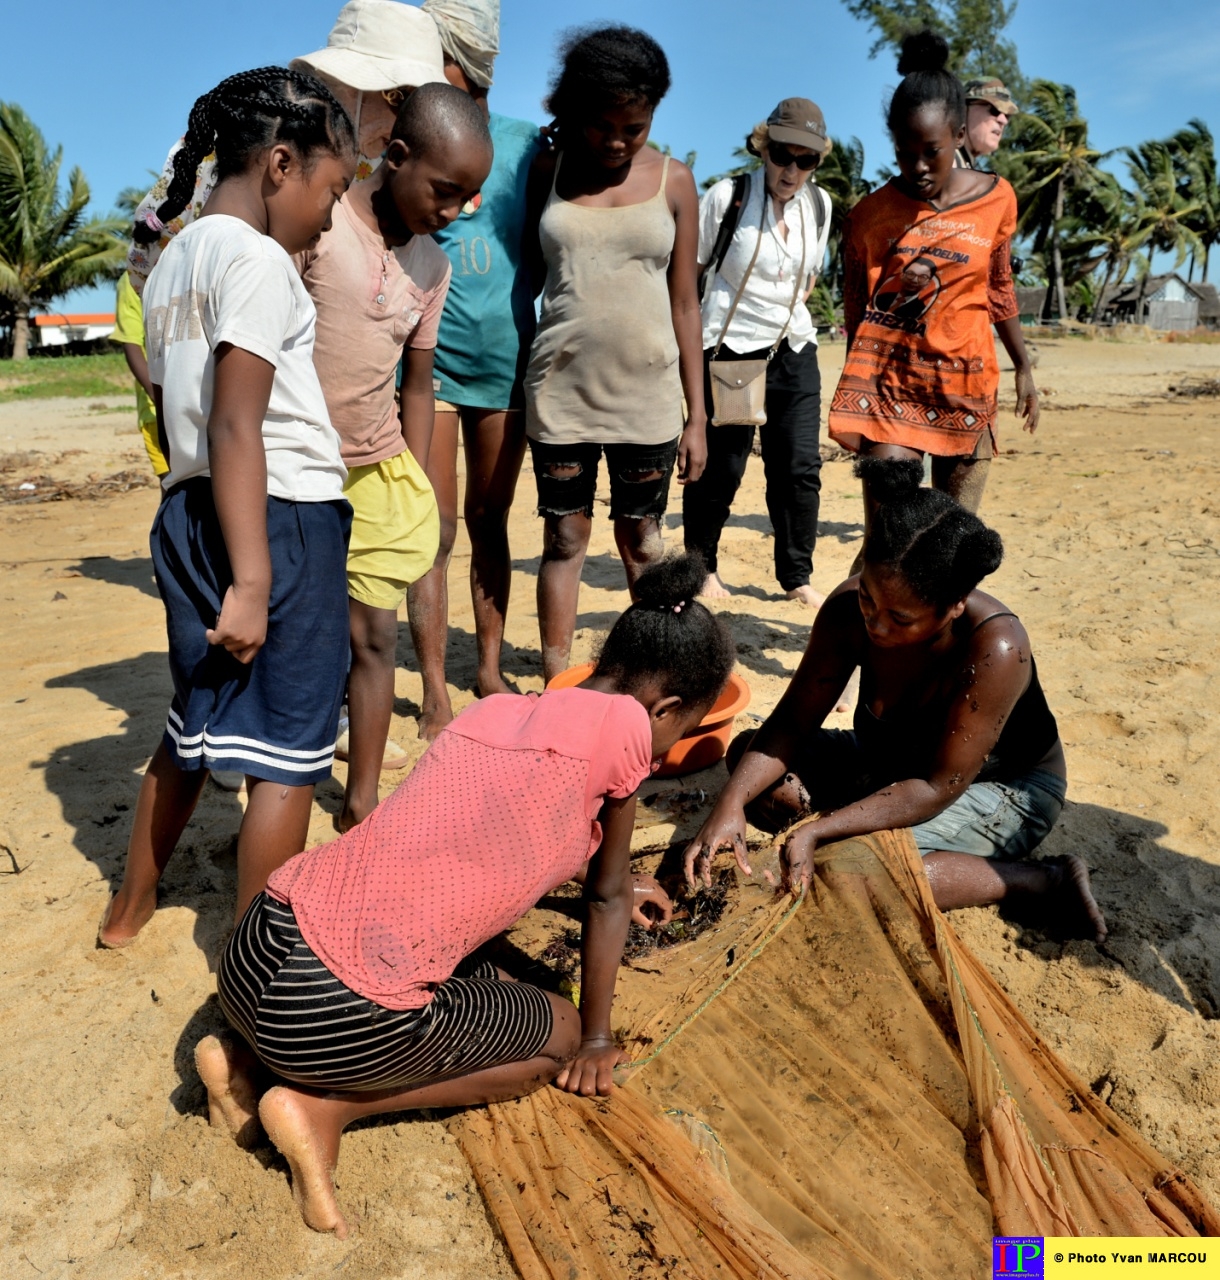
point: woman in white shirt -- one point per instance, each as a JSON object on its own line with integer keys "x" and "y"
{"x": 754, "y": 308}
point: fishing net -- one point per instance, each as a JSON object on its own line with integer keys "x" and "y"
{"x": 835, "y": 1088}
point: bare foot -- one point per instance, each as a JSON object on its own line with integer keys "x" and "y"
{"x": 122, "y": 921}
{"x": 295, "y": 1123}
{"x": 433, "y": 718}
{"x": 227, "y": 1071}
{"x": 491, "y": 683}
{"x": 806, "y": 595}
{"x": 714, "y": 589}
{"x": 1078, "y": 894}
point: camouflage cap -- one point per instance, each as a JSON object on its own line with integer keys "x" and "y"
{"x": 992, "y": 91}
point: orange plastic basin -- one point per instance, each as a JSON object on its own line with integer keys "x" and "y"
{"x": 705, "y": 743}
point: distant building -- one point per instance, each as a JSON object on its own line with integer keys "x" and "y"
{"x": 1161, "y": 302}
{"x": 62, "y": 331}
{"x": 1031, "y": 302}
{"x": 1209, "y": 305}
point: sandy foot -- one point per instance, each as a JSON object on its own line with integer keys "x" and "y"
{"x": 115, "y": 937}
{"x": 806, "y": 595}
{"x": 714, "y": 589}
{"x": 227, "y": 1071}
{"x": 287, "y": 1117}
{"x": 485, "y": 687}
{"x": 433, "y": 720}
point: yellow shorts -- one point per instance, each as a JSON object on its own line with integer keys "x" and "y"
{"x": 152, "y": 446}
{"x": 443, "y": 406}
{"x": 396, "y": 530}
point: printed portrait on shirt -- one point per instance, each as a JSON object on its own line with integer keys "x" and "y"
{"x": 908, "y": 290}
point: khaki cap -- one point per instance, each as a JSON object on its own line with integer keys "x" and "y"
{"x": 380, "y": 44}
{"x": 799, "y": 123}
{"x": 994, "y": 92}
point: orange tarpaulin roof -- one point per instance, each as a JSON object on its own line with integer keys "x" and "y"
{"x": 100, "y": 317}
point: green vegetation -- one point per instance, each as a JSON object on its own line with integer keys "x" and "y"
{"x": 48, "y": 246}
{"x": 76, "y": 376}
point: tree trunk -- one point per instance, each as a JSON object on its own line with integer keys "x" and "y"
{"x": 21, "y": 333}
{"x": 1056, "y": 256}
{"x": 1101, "y": 297}
{"x": 1207, "y": 253}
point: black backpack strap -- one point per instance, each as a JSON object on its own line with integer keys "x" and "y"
{"x": 728, "y": 227}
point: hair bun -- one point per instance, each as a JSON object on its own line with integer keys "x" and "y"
{"x": 890, "y": 479}
{"x": 676, "y": 580}
{"x": 923, "y": 51}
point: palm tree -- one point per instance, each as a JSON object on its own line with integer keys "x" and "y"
{"x": 746, "y": 163}
{"x": 1104, "y": 234}
{"x": 47, "y": 245}
{"x": 1167, "y": 218}
{"x": 1194, "y": 154}
{"x": 1048, "y": 157}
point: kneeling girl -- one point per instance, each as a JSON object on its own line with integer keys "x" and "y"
{"x": 355, "y": 977}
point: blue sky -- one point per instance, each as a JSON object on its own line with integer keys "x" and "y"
{"x": 1141, "y": 71}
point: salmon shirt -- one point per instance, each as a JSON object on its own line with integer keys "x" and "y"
{"x": 922, "y": 288}
{"x": 501, "y": 809}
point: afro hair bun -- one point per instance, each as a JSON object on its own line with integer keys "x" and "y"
{"x": 924, "y": 50}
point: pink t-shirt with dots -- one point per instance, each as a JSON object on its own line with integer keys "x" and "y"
{"x": 501, "y": 808}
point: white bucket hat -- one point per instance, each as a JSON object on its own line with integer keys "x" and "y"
{"x": 380, "y": 44}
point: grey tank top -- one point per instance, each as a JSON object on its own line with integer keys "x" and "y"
{"x": 604, "y": 365}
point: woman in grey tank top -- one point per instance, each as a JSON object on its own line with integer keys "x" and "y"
{"x": 619, "y": 342}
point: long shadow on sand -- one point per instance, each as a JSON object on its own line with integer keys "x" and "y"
{"x": 134, "y": 572}
{"x": 1162, "y": 906}
{"x": 97, "y": 781}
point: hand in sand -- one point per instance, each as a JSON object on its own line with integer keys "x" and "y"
{"x": 1027, "y": 400}
{"x": 796, "y": 859}
{"x": 591, "y": 1072}
{"x": 722, "y": 830}
{"x": 648, "y": 893}
{"x": 242, "y": 625}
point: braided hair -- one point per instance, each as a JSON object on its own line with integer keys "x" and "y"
{"x": 927, "y": 80}
{"x": 605, "y": 67}
{"x": 669, "y": 636}
{"x": 938, "y": 548}
{"x": 244, "y": 115}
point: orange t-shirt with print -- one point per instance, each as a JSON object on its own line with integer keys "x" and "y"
{"x": 922, "y": 289}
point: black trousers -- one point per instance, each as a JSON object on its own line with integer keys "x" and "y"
{"x": 792, "y": 464}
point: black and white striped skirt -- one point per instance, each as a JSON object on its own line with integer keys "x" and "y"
{"x": 305, "y": 1025}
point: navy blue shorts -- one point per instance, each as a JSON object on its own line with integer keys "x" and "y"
{"x": 277, "y": 717}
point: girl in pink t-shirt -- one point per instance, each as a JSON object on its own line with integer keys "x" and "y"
{"x": 355, "y": 977}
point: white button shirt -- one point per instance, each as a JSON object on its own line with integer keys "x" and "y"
{"x": 764, "y": 306}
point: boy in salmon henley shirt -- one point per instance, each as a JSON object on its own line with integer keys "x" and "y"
{"x": 501, "y": 809}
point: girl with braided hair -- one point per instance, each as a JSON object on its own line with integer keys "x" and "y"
{"x": 952, "y": 738}
{"x": 377, "y": 52}
{"x": 356, "y": 977}
{"x": 250, "y": 540}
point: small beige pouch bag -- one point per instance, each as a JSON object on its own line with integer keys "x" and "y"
{"x": 739, "y": 387}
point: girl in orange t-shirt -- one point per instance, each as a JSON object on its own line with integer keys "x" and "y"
{"x": 927, "y": 274}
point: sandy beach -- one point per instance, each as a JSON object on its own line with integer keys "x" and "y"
{"x": 1112, "y": 531}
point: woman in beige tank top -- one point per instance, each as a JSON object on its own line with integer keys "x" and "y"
{"x": 619, "y": 343}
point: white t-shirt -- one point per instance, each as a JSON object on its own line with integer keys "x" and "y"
{"x": 218, "y": 281}
{"x": 764, "y": 306}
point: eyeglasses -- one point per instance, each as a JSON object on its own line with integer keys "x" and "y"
{"x": 782, "y": 157}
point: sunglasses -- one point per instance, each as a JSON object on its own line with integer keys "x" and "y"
{"x": 782, "y": 157}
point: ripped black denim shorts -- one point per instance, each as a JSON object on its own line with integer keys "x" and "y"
{"x": 639, "y": 478}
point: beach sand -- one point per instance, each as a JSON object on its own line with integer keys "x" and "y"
{"x": 110, "y": 1170}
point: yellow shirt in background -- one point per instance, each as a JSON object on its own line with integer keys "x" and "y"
{"x": 129, "y": 327}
